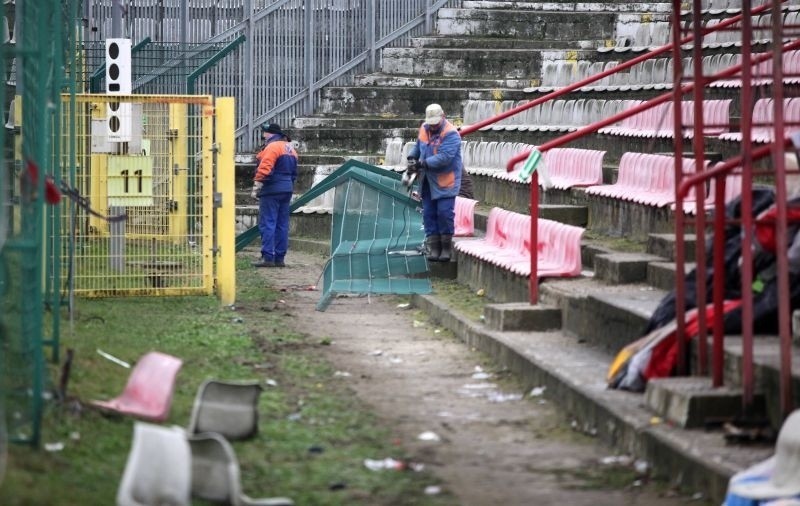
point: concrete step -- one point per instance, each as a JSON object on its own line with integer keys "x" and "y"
{"x": 406, "y": 102}
{"x": 662, "y": 274}
{"x": 526, "y": 24}
{"x": 501, "y": 43}
{"x": 401, "y": 81}
{"x": 572, "y": 373}
{"x": 607, "y": 316}
{"x": 621, "y": 268}
{"x": 365, "y": 141}
{"x": 663, "y": 245}
{"x": 693, "y": 402}
{"x": 573, "y": 6}
{"x": 472, "y": 62}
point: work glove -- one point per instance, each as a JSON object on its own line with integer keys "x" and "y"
{"x": 411, "y": 165}
{"x": 256, "y": 189}
{"x": 422, "y": 165}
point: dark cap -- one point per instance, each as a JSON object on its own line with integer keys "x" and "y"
{"x": 271, "y": 128}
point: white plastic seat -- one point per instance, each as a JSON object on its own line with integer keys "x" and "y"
{"x": 215, "y": 474}
{"x": 227, "y": 408}
{"x": 158, "y": 470}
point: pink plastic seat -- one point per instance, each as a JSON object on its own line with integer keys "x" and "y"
{"x": 507, "y": 245}
{"x": 465, "y": 217}
{"x": 148, "y": 393}
{"x": 569, "y": 167}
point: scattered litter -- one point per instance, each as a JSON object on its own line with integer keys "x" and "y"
{"x": 376, "y": 353}
{"x": 396, "y": 360}
{"x": 271, "y": 382}
{"x": 337, "y": 485}
{"x": 697, "y": 496}
{"x": 481, "y": 375}
{"x": 501, "y": 397}
{"x": 311, "y": 288}
{"x": 404, "y": 305}
{"x": 429, "y": 436}
{"x": 75, "y": 436}
{"x": 437, "y": 331}
{"x": 237, "y": 320}
{"x": 637, "y": 483}
{"x": 433, "y": 490}
{"x": 482, "y": 318}
{"x": 113, "y": 359}
{"x": 620, "y": 460}
{"x": 387, "y": 463}
{"x": 232, "y": 307}
{"x": 541, "y": 401}
{"x": 417, "y": 324}
{"x": 294, "y": 417}
{"x": 538, "y": 391}
{"x": 574, "y": 424}
{"x": 342, "y": 374}
{"x": 416, "y": 467}
{"x": 641, "y": 466}
{"x": 316, "y": 449}
{"x": 281, "y": 301}
{"x": 54, "y": 447}
{"x": 481, "y": 292}
{"x": 656, "y": 420}
{"x": 479, "y": 386}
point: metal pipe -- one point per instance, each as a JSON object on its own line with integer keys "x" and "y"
{"x": 533, "y": 280}
{"x": 698, "y": 146}
{"x": 680, "y": 244}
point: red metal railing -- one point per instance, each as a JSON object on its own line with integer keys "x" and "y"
{"x": 534, "y": 197}
{"x": 684, "y": 185}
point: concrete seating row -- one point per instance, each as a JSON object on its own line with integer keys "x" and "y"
{"x": 507, "y": 245}
{"x": 658, "y": 122}
{"x": 655, "y": 74}
{"x": 645, "y": 179}
{"x": 489, "y": 158}
{"x": 733, "y": 188}
{"x": 763, "y": 117}
{"x": 650, "y": 35}
{"x": 566, "y": 167}
{"x": 551, "y": 116}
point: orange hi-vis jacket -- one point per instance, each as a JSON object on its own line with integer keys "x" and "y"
{"x": 277, "y": 167}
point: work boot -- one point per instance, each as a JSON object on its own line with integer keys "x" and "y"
{"x": 263, "y": 262}
{"x": 434, "y": 243}
{"x": 447, "y": 245}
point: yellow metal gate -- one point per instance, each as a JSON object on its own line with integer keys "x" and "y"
{"x": 148, "y": 177}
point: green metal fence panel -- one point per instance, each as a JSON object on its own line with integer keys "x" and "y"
{"x": 35, "y": 59}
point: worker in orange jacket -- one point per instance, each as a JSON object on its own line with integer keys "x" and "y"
{"x": 273, "y": 185}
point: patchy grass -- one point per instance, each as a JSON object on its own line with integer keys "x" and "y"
{"x": 620, "y": 244}
{"x": 314, "y": 434}
{"x": 460, "y": 297}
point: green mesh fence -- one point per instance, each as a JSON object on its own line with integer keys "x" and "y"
{"x": 35, "y": 62}
{"x": 376, "y": 235}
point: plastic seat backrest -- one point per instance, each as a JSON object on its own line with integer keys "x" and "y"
{"x": 227, "y": 408}
{"x": 158, "y": 470}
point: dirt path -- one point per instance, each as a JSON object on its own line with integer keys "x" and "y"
{"x": 494, "y": 448}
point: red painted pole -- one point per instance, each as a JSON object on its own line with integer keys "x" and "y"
{"x": 680, "y": 245}
{"x": 533, "y": 281}
{"x": 718, "y": 289}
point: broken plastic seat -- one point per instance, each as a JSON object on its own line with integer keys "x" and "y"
{"x": 215, "y": 474}
{"x": 227, "y": 408}
{"x": 158, "y": 470}
{"x": 148, "y": 392}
